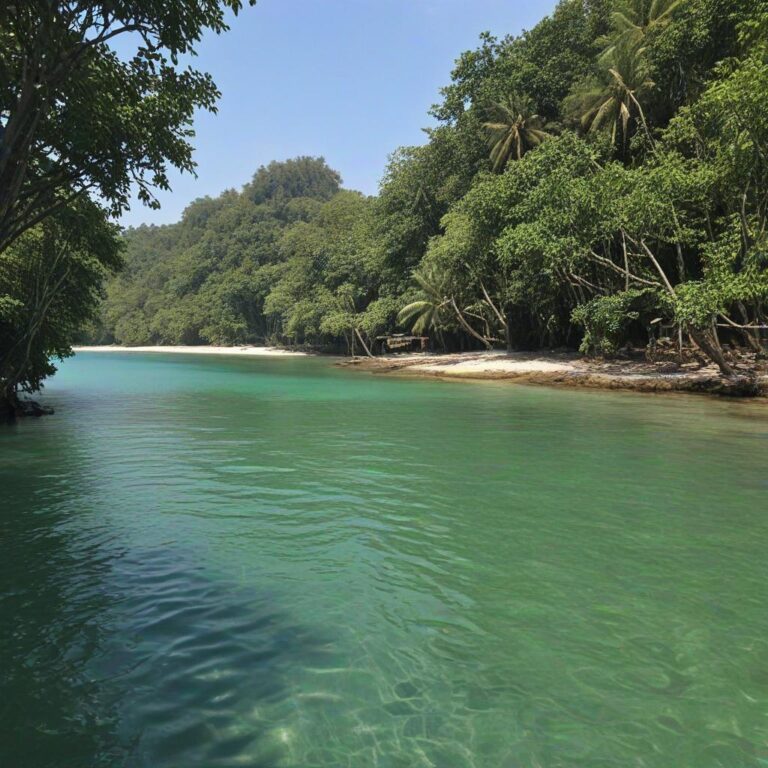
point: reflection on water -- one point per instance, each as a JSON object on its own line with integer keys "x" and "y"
{"x": 275, "y": 563}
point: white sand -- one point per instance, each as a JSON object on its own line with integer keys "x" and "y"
{"x": 495, "y": 362}
{"x": 201, "y": 350}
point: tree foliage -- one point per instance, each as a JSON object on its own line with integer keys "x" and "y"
{"x": 50, "y": 283}
{"x": 512, "y": 130}
{"x": 642, "y": 214}
{"x": 83, "y": 124}
{"x": 77, "y": 117}
{"x": 290, "y": 259}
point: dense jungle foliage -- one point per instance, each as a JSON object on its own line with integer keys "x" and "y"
{"x": 596, "y": 181}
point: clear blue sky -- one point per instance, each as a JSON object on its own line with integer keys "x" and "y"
{"x": 347, "y": 79}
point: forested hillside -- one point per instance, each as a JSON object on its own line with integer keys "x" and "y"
{"x": 290, "y": 258}
{"x": 601, "y": 179}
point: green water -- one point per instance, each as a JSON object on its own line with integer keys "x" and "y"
{"x": 236, "y": 562}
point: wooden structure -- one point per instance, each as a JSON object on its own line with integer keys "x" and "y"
{"x": 401, "y": 342}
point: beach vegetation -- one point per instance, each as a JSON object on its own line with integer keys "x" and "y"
{"x": 597, "y": 182}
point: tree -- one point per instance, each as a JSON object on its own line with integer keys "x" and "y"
{"x": 77, "y": 118}
{"x": 613, "y": 99}
{"x": 512, "y": 130}
{"x": 332, "y": 274}
{"x": 542, "y": 63}
{"x": 634, "y": 20}
{"x": 723, "y": 137}
{"x": 517, "y": 240}
{"x": 432, "y": 312}
{"x": 50, "y": 285}
{"x": 753, "y": 25}
{"x": 419, "y": 186}
{"x": 300, "y": 177}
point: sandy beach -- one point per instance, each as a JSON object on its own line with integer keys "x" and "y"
{"x": 468, "y": 363}
{"x": 563, "y": 369}
{"x": 198, "y": 350}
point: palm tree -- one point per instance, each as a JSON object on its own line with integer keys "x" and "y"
{"x": 613, "y": 101}
{"x": 437, "y": 308}
{"x": 512, "y": 130}
{"x": 634, "y": 19}
{"x": 431, "y": 311}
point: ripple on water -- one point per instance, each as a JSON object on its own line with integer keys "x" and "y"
{"x": 230, "y": 563}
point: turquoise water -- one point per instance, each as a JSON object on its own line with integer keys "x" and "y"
{"x": 242, "y": 562}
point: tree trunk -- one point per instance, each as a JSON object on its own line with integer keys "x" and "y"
{"x": 468, "y": 328}
{"x": 712, "y": 350}
{"x": 753, "y": 342}
{"x": 365, "y": 346}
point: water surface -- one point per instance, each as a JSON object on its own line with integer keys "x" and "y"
{"x": 273, "y": 562}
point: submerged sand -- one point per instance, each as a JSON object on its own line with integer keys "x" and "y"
{"x": 246, "y": 351}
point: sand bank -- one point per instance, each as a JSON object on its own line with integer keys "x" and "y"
{"x": 565, "y": 369}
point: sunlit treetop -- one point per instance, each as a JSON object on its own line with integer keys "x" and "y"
{"x": 77, "y": 116}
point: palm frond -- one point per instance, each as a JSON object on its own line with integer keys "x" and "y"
{"x": 509, "y": 128}
{"x": 661, "y": 10}
{"x": 601, "y": 113}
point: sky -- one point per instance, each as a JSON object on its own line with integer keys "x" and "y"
{"x": 350, "y": 80}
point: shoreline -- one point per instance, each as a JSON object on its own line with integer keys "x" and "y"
{"x": 244, "y": 351}
{"x": 564, "y": 369}
{"x": 567, "y": 370}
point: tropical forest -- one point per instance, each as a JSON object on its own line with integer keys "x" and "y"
{"x": 596, "y": 182}
{"x": 383, "y": 384}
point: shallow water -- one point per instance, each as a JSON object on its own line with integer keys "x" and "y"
{"x": 253, "y": 562}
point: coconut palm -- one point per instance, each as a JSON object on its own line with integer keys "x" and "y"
{"x": 634, "y": 19}
{"x": 432, "y": 311}
{"x": 613, "y": 101}
{"x": 512, "y": 130}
